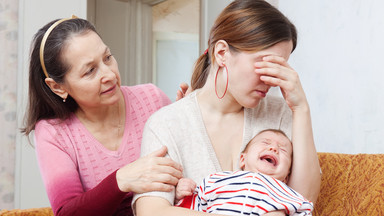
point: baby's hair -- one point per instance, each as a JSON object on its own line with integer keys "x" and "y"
{"x": 265, "y": 130}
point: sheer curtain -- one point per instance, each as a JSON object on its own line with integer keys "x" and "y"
{"x": 126, "y": 26}
{"x": 8, "y": 92}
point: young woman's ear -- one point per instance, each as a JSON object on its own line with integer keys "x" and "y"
{"x": 221, "y": 49}
{"x": 242, "y": 161}
{"x": 56, "y": 88}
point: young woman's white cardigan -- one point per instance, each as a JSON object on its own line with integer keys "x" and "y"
{"x": 180, "y": 127}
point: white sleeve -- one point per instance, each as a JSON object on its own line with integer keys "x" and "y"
{"x": 152, "y": 141}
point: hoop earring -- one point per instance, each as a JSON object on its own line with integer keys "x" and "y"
{"x": 226, "y": 86}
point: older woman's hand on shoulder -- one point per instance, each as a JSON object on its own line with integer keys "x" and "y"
{"x": 153, "y": 172}
{"x": 183, "y": 91}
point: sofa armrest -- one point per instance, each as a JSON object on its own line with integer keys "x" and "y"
{"x": 45, "y": 211}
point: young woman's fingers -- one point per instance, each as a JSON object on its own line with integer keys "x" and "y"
{"x": 273, "y": 81}
{"x": 276, "y": 59}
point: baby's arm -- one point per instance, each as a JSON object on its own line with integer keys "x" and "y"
{"x": 184, "y": 188}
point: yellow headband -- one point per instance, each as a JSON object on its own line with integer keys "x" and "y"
{"x": 45, "y": 40}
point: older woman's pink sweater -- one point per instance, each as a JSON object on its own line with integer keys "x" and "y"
{"x": 79, "y": 173}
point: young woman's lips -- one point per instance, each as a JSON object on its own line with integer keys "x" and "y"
{"x": 109, "y": 90}
{"x": 261, "y": 93}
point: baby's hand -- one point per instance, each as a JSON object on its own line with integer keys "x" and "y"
{"x": 184, "y": 188}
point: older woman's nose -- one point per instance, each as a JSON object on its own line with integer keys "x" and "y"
{"x": 107, "y": 73}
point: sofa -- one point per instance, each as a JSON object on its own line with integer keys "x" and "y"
{"x": 351, "y": 184}
{"x": 46, "y": 211}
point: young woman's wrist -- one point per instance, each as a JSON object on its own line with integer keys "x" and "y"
{"x": 304, "y": 108}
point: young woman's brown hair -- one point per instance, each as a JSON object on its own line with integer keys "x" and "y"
{"x": 246, "y": 25}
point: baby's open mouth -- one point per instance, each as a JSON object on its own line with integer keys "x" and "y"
{"x": 270, "y": 159}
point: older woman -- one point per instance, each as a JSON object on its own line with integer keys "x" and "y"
{"x": 88, "y": 128}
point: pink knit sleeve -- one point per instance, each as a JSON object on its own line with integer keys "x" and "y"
{"x": 164, "y": 99}
{"x": 62, "y": 181}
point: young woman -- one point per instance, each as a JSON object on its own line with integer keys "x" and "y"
{"x": 248, "y": 49}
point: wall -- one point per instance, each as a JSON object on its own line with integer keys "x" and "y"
{"x": 210, "y": 9}
{"x": 181, "y": 16}
{"x": 33, "y": 14}
{"x": 176, "y": 43}
{"x": 339, "y": 58}
{"x": 8, "y": 123}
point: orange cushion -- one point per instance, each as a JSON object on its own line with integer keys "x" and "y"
{"x": 351, "y": 184}
{"x": 46, "y": 211}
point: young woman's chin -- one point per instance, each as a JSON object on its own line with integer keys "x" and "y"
{"x": 251, "y": 103}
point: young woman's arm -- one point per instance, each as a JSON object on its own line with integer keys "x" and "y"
{"x": 305, "y": 166}
{"x": 161, "y": 207}
{"x": 305, "y": 176}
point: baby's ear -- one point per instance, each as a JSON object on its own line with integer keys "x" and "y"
{"x": 242, "y": 161}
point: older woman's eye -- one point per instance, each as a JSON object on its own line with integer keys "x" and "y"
{"x": 108, "y": 58}
{"x": 90, "y": 71}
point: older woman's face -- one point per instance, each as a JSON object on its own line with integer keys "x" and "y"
{"x": 245, "y": 85}
{"x": 93, "y": 79}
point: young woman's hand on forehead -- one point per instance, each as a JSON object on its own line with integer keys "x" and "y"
{"x": 275, "y": 71}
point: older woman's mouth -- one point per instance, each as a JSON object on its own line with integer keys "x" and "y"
{"x": 109, "y": 90}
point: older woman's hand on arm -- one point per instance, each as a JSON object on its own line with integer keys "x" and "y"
{"x": 305, "y": 175}
{"x": 153, "y": 172}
